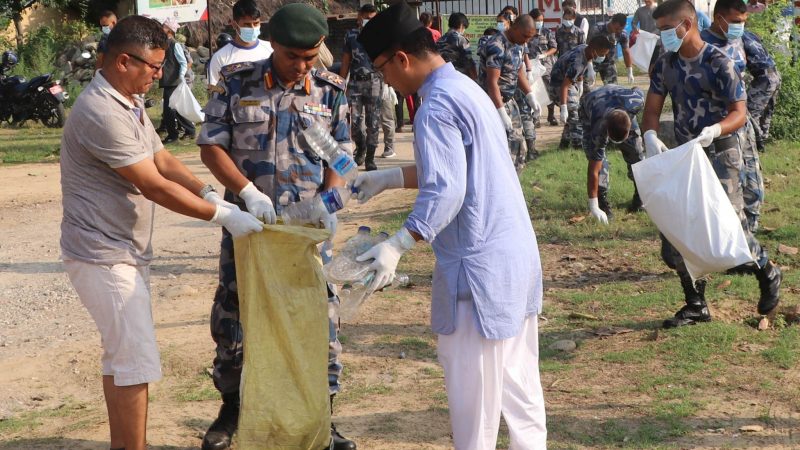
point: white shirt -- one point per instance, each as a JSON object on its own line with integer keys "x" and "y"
{"x": 233, "y": 53}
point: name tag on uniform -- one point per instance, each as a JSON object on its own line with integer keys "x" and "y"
{"x": 249, "y": 102}
{"x": 317, "y": 109}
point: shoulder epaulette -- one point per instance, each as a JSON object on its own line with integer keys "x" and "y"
{"x": 232, "y": 69}
{"x": 330, "y": 78}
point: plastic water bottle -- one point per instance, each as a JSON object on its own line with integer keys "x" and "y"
{"x": 320, "y": 141}
{"x": 343, "y": 268}
{"x": 352, "y": 296}
{"x": 310, "y": 210}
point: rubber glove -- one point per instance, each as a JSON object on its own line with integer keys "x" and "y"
{"x": 564, "y": 113}
{"x": 530, "y": 98}
{"x": 598, "y": 213}
{"x": 505, "y": 118}
{"x": 652, "y": 144}
{"x": 370, "y": 184}
{"x": 213, "y": 197}
{"x": 541, "y": 56}
{"x": 258, "y": 203}
{"x": 237, "y": 222}
{"x": 386, "y": 255}
{"x": 630, "y": 75}
{"x": 708, "y": 135}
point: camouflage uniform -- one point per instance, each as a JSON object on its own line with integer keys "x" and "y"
{"x": 568, "y": 38}
{"x": 701, "y": 91}
{"x": 364, "y": 90}
{"x": 572, "y": 65}
{"x": 454, "y": 48}
{"x": 752, "y": 179}
{"x": 763, "y": 89}
{"x": 594, "y": 106}
{"x": 545, "y": 40}
{"x": 500, "y": 53}
{"x": 608, "y": 68}
{"x": 257, "y": 121}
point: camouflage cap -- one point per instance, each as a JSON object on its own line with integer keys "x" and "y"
{"x": 388, "y": 29}
{"x": 298, "y": 25}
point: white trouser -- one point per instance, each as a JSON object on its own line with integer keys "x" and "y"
{"x": 485, "y": 378}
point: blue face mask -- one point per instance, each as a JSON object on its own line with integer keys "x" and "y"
{"x": 248, "y": 34}
{"x": 539, "y": 25}
{"x": 567, "y": 23}
{"x": 670, "y": 39}
{"x": 735, "y": 30}
{"x": 106, "y": 29}
{"x": 501, "y": 26}
{"x": 598, "y": 59}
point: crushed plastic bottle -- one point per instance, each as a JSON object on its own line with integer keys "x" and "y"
{"x": 352, "y": 296}
{"x": 321, "y": 143}
{"x": 310, "y": 211}
{"x": 343, "y": 268}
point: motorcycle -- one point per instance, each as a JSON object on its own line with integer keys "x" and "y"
{"x": 41, "y": 98}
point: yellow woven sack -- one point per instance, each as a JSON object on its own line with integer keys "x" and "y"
{"x": 284, "y": 312}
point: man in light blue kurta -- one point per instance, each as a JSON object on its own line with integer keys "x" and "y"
{"x": 487, "y": 284}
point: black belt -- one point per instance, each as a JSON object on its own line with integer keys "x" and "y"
{"x": 365, "y": 76}
{"x": 758, "y": 73}
{"x": 721, "y": 144}
{"x": 506, "y": 98}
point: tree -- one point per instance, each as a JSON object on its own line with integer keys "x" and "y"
{"x": 13, "y": 9}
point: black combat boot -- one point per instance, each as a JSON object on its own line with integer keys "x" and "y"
{"x": 602, "y": 202}
{"x": 339, "y": 442}
{"x": 636, "y": 202}
{"x": 695, "y": 309}
{"x": 369, "y": 161}
{"x": 769, "y": 282}
{"x": 220, "y": 433}
{"x": 564, "y": 144}
{"x": 359, "y": 155}
{"x": 532, "y": 152}
{"x": 551, "y": 119}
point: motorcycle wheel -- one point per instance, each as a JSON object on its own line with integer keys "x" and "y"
{"x": 56, "y": 116}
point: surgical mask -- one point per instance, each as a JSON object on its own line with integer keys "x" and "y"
{"x": 567, "y": 23}
{"x": 670, "y": 39}
{"x": 539, "y": 25}
{"x": 511, "y": 17}
{"x": 364, "y": 23}
{"x": 598, "y": 59}
{"x": 106, "y": 29}
{"x": 616, "y": 142}
{"x": 248, "y": 34}
{"x": 735, "y": 30}
{"x": 501, "y": 26}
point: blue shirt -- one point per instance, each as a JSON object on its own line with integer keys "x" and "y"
{"x": 733, "y": 48}
{"x": 471, "y": 209}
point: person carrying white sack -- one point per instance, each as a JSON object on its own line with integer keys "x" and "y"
{"x": 487, "y": 284}
{"x": 708, "y": 102}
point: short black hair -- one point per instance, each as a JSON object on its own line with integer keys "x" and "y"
{"x": 418, "y": 43}
{"x": 426, "y": 18}
{"x": 457, "y": 20}
{"x": 511, "y": 8}
{"x": 622, "y": 19}
{"x": 246, "y": 8}
{"x": 601, "y": 42}
{"x": 568, "y": 11}
{"x": 570, "y": 3}
{"x": 137, "y": 31}
{"x": 675, "y": 7}
{"x": 489, "y": 31}
{"x": 618, "y": 124}
{"x": 367, "y": 8}
{"x": 535, "y": 13}
{"x": 723, "y": 6}
{"x": 106, "y": 13}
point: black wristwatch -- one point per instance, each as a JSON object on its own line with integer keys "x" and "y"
{"x": 206, "y": 189}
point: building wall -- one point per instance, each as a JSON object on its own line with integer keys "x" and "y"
{"x": 338, "y": 27}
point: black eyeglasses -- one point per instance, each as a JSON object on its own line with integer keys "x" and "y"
{"x": 380, "y": 68}
{"x": 155, "y": 67}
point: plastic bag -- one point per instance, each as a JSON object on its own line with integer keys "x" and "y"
{"x": 684, "y": 198}
{"x": 283, "y": 303}
{"x": 183, "y": 101}
{"x": 642, "y": 51}
{"x": 537, "y": 84}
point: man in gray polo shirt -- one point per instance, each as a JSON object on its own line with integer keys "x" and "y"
{"x": 113, "y": 170}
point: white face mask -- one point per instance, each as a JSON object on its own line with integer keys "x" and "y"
{"x": 364, "y": 22}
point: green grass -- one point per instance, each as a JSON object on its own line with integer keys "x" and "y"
{"x": 31, "y": 420}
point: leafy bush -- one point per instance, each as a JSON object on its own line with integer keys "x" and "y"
{"x": 770, "y": 26}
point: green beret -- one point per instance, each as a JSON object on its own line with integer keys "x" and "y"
{"x": 298, "y": 25}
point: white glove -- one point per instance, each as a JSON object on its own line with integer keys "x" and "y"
{"x": 370, "y": 184}
{"x": 530, "y": 98}
{"x": 630, "y": 75}
{"x": 652, "y": 144}
{"x": 386, "y": 255}
{"x": 564, "y": 113}
{"x": 237, "y": 222}
{"x": 598, "y": 213}
{"x": 541, "y": 56}
{"x": 505, "y": 118}
{"x": 213, "y": 197}
{"x": 708, "y": 135}
{"x": 258, "y": 203}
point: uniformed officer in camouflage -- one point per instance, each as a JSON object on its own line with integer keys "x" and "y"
{"x": 502, "y": 72}
{"x": 725, "y": 34}
{"x": 568, "y": 35}
{"x": 249, "y": 141}
{"x": 613, "y": 30}
{"x": 567, "y": 74}
{"x": 608, "y": 115}
{"x": 454, "y": 46}
{"x": 543, "y": 47}
{"x": 708, "y": 102}
{"x": 364, "y": 90}
{"x": 763, "y": 90}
